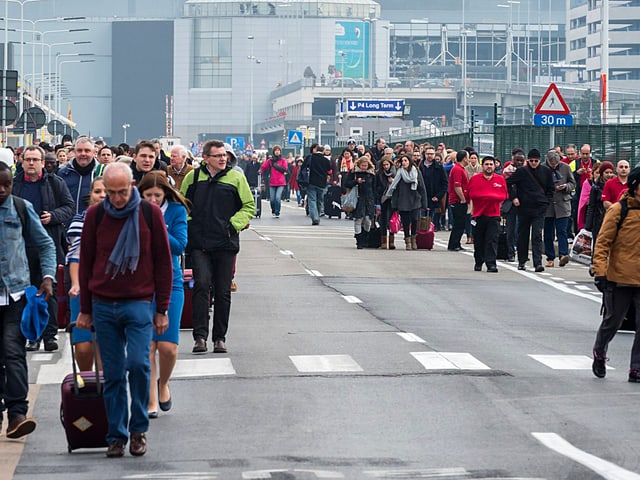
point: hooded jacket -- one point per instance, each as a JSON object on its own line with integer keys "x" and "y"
{"x": 618, "y": 250}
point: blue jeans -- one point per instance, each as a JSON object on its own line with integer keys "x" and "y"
{"x": 124, "y": 331}
{"x": 552, "y": 227}
{"x": 314, "y": 199}
{"x": 275, "y": 199}
{"x": 14, "y": 377}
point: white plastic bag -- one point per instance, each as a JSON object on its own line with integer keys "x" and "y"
{"x": 582, "y": 248}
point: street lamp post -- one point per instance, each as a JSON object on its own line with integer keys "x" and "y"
{"x": 320, "y": 123}
{"x": 342, "y": 54}
{"x": 252, "y": 60}
{"x": 124, "y": 128}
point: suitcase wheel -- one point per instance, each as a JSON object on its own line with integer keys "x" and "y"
{"x": 69, "y": 448}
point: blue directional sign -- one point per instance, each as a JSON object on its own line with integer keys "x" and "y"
{"x": 237, "y": 143}
{"x": 552, "y": 120}
{"x": 375, "y": 108}
{"x": 294, "y": 137}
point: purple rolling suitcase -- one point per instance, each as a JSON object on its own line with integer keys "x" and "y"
{"x": 82, "y": 410}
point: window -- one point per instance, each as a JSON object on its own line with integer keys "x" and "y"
{"x": 211, "y": 53}
{"x": 578, "y": 22}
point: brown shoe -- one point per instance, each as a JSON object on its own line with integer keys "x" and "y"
{"x": 19, "y": 426}
{"x": 234, "y": 287}
{"x": 199, "y": 347}
{"x": 564, "y": 259}
{"x": 138, "y": 444}
{"x": 115, "y": 450}
{"x": 219, "y": 347}
{"x": 549, "y": 264}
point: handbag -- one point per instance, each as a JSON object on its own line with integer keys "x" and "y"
{"x": 394, "y": 223}
{"x": 349, "y": 200}
{"x": 442, "y": 205}
{"x": 506, "y": 207}
{"x": 424, "y": 222}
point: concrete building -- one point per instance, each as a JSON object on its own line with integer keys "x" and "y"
{"x": 584, "y": 42}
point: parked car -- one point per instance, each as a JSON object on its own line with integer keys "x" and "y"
{"x": 348, "y": 83}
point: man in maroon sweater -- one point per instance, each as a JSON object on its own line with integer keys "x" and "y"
{"x": 124, "y": 261}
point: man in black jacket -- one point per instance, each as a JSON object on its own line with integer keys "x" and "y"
{"x": 435, "y": 180}
{"x": 531, "y": 191}
{"x": 52, "y": 201}
{"x": 319, "y": 167}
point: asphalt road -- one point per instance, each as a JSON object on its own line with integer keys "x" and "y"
{"x": 364, "y": 364}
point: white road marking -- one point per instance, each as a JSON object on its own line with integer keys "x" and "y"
{"x": 266, "y": 239}
{"x": 40, "y": 357}
{"x": 449, "y": 361}
{"x": 566, "y": 362}
{"x": 570, "y": 282}
{"x": 287, "y": 252}
{"x": 313, "y": 273}
{"x": 54, "y": 373}
{"x": 325, "y": 363}
{"x": 557, "y": 279}
{"x": 203, "y": 367}
{"x": 411, "y": 337}
{"x": 544, "y": 274}
{"x": 584, "y": 288}
{"x": 351, "y": 299}
{"x": 608, "y": 470}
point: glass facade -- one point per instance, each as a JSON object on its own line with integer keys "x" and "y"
{"x": 211, "y": 53}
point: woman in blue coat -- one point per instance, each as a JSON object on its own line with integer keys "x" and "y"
{"x": 155, "y": 188}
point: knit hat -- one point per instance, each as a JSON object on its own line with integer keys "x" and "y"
{"x": 35, "y": 315}
{"x": 633, "y": 180}
{"x": 606, "y": 166}
{"x": 534, "y": 153}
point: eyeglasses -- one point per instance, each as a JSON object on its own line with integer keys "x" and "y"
{"x": 534, "y": 160}
{"x": 217, "y": 155}
{"x": 31, "y": 160}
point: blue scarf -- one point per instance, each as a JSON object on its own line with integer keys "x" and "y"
{"x": 126, "y": 252}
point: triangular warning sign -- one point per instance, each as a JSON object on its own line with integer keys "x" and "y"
{"x": 552, "y": 102}
{"x": 295, "y": 138}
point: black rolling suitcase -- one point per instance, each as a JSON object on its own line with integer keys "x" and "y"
{"x": 503, "y": 249}
{"x": 332, "y": 207}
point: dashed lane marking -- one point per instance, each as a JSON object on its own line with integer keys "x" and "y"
{"x": 411, "y": 337}
{"x": 449, "y": 361}
{"x": 203, "y": 367}
{"x": 566, "y": 362}
{"x": 325, "y": 363}
{"x": 608, "y": 470}
{"x": 313, "y": 273}
{"x": 351, "y": 299}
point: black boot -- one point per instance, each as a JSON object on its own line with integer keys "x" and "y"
{"x": 360, "y": 240}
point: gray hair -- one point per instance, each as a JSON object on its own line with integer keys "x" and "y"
{"x": 553, "y": 156}
{"x": 121, "y": 166}
{"x": 83, "y": 139}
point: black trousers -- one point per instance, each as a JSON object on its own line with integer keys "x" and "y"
{"x": 485, "y": 240}
{"x": 530, "y": 224}
{"x": 459, "y": 218}
{"x": 211, "y": 270}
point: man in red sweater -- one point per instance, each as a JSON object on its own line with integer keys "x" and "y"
{"x": 458, "y": 197}
{"x": 124, "y": 262}
{"x": 487, "y": 191}
{"x": 614, "y": 188}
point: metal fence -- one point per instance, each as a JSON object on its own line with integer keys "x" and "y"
{"x": 608, "y": 142}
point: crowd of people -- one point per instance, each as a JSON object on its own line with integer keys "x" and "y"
{"x": 125, "y": 220}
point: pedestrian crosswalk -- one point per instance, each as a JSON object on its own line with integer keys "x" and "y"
{"x": 397, "y": 361}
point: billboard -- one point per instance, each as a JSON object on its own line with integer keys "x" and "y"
{"x": 352, "y": 49}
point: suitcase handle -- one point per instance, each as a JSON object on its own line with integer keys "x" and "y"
{"x": 76, "y": 388}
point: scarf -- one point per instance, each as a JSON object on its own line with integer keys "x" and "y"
{"x": 407, "y": 177}
{"x": 83, "y": 170}
{"x": 126, "y": 252}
